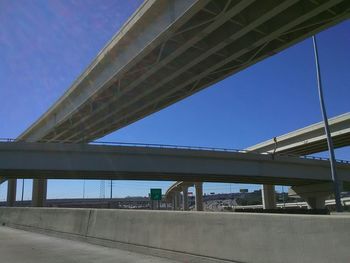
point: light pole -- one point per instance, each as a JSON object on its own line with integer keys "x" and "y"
{"x": 338, "y": 205}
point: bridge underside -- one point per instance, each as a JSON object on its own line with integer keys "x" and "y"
{"x": 108, "y": 175}
{"x": 171, "y": 49}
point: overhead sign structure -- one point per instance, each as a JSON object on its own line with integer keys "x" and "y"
{"x": 156, "y": 194}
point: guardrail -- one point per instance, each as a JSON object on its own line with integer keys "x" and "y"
{"x": 184, "y": 147}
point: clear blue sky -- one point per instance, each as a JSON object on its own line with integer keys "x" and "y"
{"x": 45, "y": 46}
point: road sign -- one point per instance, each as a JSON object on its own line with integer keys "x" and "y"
{"x": 156, "y": 194}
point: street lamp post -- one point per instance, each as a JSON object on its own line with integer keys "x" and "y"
{"x": 338, "y": 205}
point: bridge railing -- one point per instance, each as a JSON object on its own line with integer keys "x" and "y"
{"x": 184, "y": 147}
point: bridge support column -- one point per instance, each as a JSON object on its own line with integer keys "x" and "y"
{"x": 176, "y": 200}
{"x": 173, "y": 201}
{"x": 315, "y": 202}
{"x": 314, "y": 195}
{"x": 185, "y": 198}
{"x": 39, "y": 192}
{"x": 199, "y": 196}
{"x": 11, "y": 192}
{"x": 268, "y": 196}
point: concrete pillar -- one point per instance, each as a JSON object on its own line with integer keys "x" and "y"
{"x": 185, "y": 198}
{"x": 199, "y": 196}
{"x": 39, "y": 192}
{"x": 268, "y": 196}
{"x": 315, "y": 202}
{"x": 11, "y": 191}
{"x": 176, "y": 200}
{"x": 173, "y": 205}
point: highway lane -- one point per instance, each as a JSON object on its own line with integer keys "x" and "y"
{"x": 18, "y": 246}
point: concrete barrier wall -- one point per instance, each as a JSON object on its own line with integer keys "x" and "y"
{"x": 70, "y": 221}
{"x": 200, "y": 237}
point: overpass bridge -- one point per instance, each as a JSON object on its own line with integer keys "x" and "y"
{"x": 169, "y": 50}
{"x": 84, "y": 161}
{"x": 310, "y": 139}
{"x": 304, "y": 141}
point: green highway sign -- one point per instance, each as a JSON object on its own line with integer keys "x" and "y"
{"x": 156, "y": 194}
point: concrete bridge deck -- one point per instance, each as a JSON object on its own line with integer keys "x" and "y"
{"x": 83, "y": 161}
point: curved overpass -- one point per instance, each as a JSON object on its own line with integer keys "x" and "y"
{"x": 169, "y": 50}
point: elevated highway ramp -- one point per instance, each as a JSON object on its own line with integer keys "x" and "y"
{"x": 83, "y": 161}
{"x": 169, "y": 50}
{"x": 310, "y": 139}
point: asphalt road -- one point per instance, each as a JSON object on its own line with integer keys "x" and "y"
{"x": 17, "y": 246}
